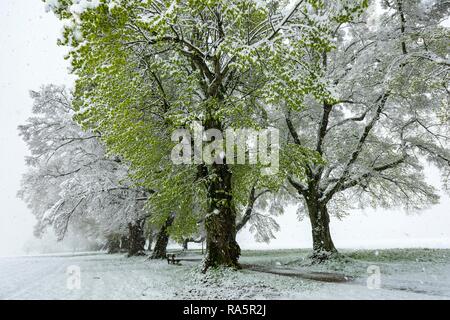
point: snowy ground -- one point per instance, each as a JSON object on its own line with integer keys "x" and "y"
{"x": 281, "y": 274}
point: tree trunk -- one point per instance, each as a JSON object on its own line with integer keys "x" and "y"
{"x": 160, "y": 249}
{"x": 113, "y": 244}
{"x": 124, "y": 243}
{"x": 220, "y": 223}
{"x": 185, "y": 244}
{"x": 323, "y": 246}
{"x": 136, "y": 245}
{"x": 150, "y": 239}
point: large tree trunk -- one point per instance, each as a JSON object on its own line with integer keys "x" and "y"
{"x": 323, "y": 246}
{"x": 160, "y": 249}
{"x": 136, "y": 244}
{"x": 220, "y": 223}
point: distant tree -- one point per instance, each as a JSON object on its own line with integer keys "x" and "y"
{"x": 71, "y": 181}
{"x": 162, "y": 239}
{"x": 136, "y": 238}
{"x": 385, "y": 112}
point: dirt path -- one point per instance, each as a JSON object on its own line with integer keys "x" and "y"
{"x": 407, "y": 287}
{"x": 316, "y": 276}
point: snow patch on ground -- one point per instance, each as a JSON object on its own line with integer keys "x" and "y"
{"x": 405, "y": 274}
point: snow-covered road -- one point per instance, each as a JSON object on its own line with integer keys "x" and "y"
{"x": 105, "y": 276}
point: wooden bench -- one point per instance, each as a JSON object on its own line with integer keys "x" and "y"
{"x": 171, "y": 259}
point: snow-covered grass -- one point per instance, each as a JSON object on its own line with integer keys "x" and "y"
{"x": 278, "y": 274}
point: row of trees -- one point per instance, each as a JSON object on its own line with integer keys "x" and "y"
{"x": 74, "y": 185}
{"x": 358, "y": 90}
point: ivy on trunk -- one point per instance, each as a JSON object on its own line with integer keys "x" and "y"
{"x": 220, "y": 223}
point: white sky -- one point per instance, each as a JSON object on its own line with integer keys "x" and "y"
{"x": 29, "y": 58}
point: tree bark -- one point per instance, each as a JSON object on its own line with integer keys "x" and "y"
{"x": 323, "y": 246}
{"x": 220, "y": 223}
{"x": 136, "y": 244}
{"x": 185, "y": 244}
{"x": 160, "y": 249}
